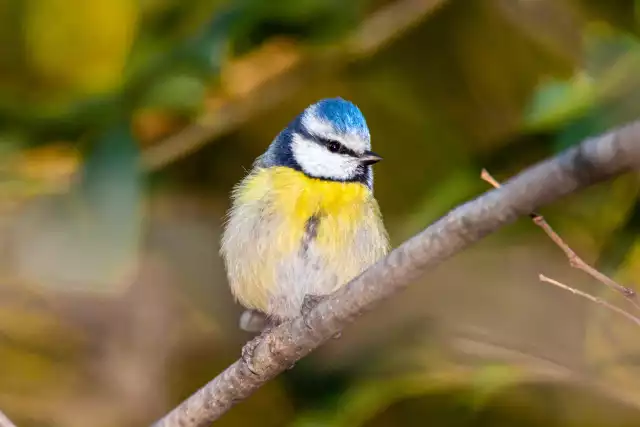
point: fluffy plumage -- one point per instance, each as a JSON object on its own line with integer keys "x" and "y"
{"x": 304, "y": 221}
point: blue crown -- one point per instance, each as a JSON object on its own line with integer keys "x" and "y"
{"x": 343, "y": 115}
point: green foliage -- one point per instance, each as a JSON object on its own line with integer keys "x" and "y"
{"x": 315, "y": 21}
{"x": 558, "y": 102}
{"x": 469, "y": 390}
{"x": 443, "y": 99}
{"x": 591, "y": 101}
{"x": 182, "y": 93}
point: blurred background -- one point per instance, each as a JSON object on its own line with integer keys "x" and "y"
{"x": 125, "y": 123}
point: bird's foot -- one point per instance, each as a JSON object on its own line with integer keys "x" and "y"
{"x": 249, "y": 348}
{"x": 308, "y": 303}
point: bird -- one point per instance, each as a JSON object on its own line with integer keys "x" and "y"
{"x": 304, "y": 221}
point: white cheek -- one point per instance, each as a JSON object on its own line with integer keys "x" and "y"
{"x": 317, "y": 161}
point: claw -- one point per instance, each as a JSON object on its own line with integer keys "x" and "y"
{"x": 308, "y": 303}
{"x": 250, "y": 347}
{"x": 247, "y": 353}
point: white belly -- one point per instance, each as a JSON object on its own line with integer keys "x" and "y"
{"x": 269, "y": 273}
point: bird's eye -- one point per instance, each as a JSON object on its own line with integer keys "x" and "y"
{"x": 334, "y": 146}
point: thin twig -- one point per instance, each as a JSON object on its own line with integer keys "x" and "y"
{"x": 4, "y": 421}
{"x": 590, "y": 297}
{"x": 592, "y": 161}
{"x": 574, "y": 260}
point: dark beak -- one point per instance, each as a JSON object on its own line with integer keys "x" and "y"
{"x": 369, "y": 158}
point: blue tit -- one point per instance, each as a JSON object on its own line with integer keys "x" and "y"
{"x": 304, "y": 221}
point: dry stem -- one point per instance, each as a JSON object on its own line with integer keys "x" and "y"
{"x": 590, "y": 297}
{"x": 574, "y": 260}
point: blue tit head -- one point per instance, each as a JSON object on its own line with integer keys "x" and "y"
{"x": 329, "y": 140}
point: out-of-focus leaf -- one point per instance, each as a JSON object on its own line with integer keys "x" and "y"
{"x": 176, "y": 78}
{"x": 586, "y": 104}
{"x": 77, "y": 46}
{"x": 308, "y": 20}
{"x": 558, "y": 101}
{"x": 69, "y": 96}
{"x": 365, "y": 400}
{"x": 421, "y": 371}
{"x": 180, "y": 93}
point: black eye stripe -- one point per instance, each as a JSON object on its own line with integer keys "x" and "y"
{"x": 326, "y": 142}
{"x": 336, "y": 147}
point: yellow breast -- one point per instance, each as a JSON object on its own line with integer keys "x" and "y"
{"x": 297, "y": 197}
{"x": 268, "y": 229}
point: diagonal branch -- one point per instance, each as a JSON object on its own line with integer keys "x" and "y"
{"x": 592, "y": 161}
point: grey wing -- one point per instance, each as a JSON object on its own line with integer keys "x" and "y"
{"x": 268, "y": 158}
{"x": 261, "y": 161}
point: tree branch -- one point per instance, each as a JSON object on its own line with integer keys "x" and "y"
{"x": 592, "y": 161}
